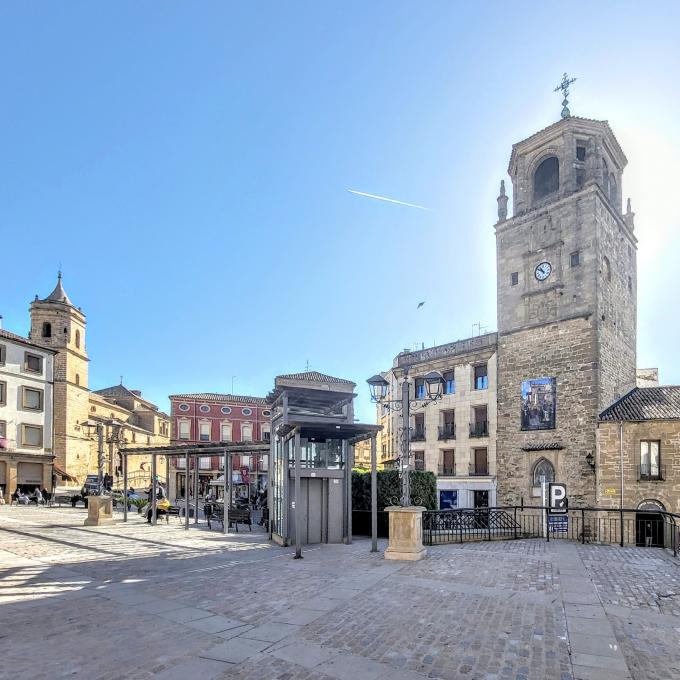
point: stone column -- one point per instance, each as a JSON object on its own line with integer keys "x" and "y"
{"x": 99, "y": 511}
{"x": 406, "y": 534}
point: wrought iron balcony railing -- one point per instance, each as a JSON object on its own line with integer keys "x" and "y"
{"x": 418, "y": 433}
{"x": 446, "y": 470}
{"x": 479, "y": 429}
{"x": 479, "y": 469}
{"x": 447, "y": 431}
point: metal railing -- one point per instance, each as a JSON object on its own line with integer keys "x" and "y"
{"x": 418, "y": 433}
{"x": 623, "y": 527}
{"x": 479, "y": 429}
{"x": 446, "y": 431}
{"x": 446, "y": 470}
{"x": 479, "y": 469}
{"x": 651, "y": 473}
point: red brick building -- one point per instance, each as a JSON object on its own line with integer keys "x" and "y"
{"x": 208, "y": 417}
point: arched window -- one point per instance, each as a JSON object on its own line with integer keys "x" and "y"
{"x": 543, "y": 472}
{"x": 606, "y": 268}
{"x": 77, "y": 338}
{"x": 47, "y": 330}
{"x": 612, "y": 189}
{"x": 546, "y": 178}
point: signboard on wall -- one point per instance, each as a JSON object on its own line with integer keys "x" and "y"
{"x": 538, "y": 404}
{"x": 558, "y": 524}
{"x": 557, "y": 495}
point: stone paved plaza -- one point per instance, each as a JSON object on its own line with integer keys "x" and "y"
{"x": 138, "y": 601}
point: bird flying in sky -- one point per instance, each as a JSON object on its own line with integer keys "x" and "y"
{"x": 384, "y": 198}
{"x": 420, "y": 304}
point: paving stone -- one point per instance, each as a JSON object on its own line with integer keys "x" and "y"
{"x": 271, "y": 632}
{"x": 205, "y": 669}
{"x": 184, "y": 614}
{"x": 235, "y": 650}
{"x": 594, "y": 644}
{"x": 304, "y": 654}
{"x": 596, "y": 661}
{"x": 346, "y": 667}
{"x": 298, "y": 616}
{"x": 214, "y": 624}
{"x": 233, "y": 632}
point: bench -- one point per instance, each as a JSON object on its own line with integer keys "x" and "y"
{"x": 215, "y": 512}
{"x": 173, "y": 510}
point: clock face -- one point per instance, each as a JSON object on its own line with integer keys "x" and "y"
{"x": 543, "y": 271}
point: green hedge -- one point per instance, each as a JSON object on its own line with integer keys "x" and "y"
{"x": 423, "y": 489}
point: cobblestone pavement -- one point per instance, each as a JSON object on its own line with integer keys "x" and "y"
{"x": 138, "y": 601}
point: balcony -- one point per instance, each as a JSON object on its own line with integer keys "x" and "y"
{"x": 418, "y": 433}
{"x": 447, "y": 431}
{"x": 651, "y": 473}
{"x": 479, "y": 429}
{"x": 446, "y": 470}
{"x": 479, "y": 469}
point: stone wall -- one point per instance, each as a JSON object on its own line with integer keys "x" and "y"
{"x": 635, "y": 490}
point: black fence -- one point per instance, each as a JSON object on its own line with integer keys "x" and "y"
{"x": 624, "y": 527}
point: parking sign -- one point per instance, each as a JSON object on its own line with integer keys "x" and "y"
{"x": 558, "y": 498}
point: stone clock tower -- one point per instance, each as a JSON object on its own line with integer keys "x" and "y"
{"x": 566, "y": 265}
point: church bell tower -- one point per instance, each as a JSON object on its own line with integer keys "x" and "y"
{"x": 567, "y": 305}
{"x": 56, "y": 323}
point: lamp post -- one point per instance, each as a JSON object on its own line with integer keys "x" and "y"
{"x": 379, "y": 393}
{"x": 97, "y": 427}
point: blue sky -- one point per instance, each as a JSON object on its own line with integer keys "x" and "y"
{"x": 188, "y": 164}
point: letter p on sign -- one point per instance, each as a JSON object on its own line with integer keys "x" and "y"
{"x": 558, "y": 499}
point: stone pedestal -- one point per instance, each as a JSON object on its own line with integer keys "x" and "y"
{"x": 406, "y": 534}
{"x": 99, "y": 511}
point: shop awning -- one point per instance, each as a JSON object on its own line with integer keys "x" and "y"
{"x": 64, "y": 475}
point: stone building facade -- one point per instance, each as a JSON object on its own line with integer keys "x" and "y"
{"x": 566, "y": 294}
{"x": 455, "y": 436}
{"x": 26, "y": 406}
{"x": 640, "y": 434}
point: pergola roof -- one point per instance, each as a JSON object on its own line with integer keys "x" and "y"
{"x": 195, "y": 450}
{"x": 320, "y": 430}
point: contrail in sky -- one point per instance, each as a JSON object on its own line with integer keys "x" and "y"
{"x": 384, "y": 198}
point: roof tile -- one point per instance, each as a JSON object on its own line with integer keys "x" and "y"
{"x": 646, "y": 403}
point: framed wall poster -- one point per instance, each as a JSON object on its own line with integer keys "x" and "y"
{"x": 538, "y": 404}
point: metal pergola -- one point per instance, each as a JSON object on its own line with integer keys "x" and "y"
{"x": 188, "y": 452}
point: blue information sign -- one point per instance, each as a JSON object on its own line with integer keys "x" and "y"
{"x": 558, "y": 524}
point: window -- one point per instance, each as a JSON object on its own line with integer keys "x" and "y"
{"x": 32, "y": 363}
{"x": 31, "y": 435}
{"x": 3, "y": 393}
{"x": 630, "y": 285}
{"x": 580, "y": 153}
{"x": 77, "y": 379}
{"x": 266, "y": 413}
{"x": 481, "y": 377}
{"x": 204, "y": 432}
{"x": 204, "y": 463}
{"x": 575, "y": 259}
{"x": 546, "y": 178}
{"x": 134, "y": 436}
{"x": 612, "y": 189}
{"x": 225, "y": 432}
{"x": 447, "y": 430}
{"x": 47, "y": 330}
{"x": 448, "y": 464}
{"x": 184, "y": 429}
{"x": 448, "y": 499}
{"x": 649, "y": 460}
{"x": 3, "y": 351}
{"x": 246, "y": 432}
{"x": 226, "y": 410}
{"x": 543, "y": 472}
{"x": 77, "y": 338}
{"x": 606, "y": 268}
{"x": 514, "y": 278}
{"x": 449, "y": 382}
{"x": 418, "y": 432}
{"x": 247, "y": 411}
{"x": 266, "y": 435}
{"x": 3, "y": 429}
{"x": 31, "y": 399}
{"x": 183, "y": 407}
{"x": 580, "y": 178}
{"x": 480, "y": 464}
{"x": 419, "y": 460}
{"x": 421, "y": 391}
{"x": 204, "y": 408}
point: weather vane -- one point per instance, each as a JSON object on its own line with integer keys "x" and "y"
{"x": 564, "y": 86}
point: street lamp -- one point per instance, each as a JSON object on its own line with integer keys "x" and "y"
{"x": 98, "y": 429}
{"x": 379, "y": 389}
{"x": 590, "y": 460}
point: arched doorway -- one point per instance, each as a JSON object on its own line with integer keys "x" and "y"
{"x": 649, "y": 525}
